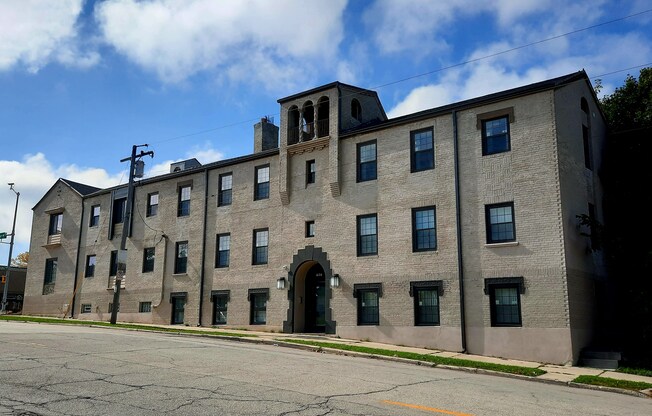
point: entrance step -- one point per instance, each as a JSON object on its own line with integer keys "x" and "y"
{"x": 604, "y": 359}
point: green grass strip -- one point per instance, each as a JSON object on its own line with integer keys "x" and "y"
{"x": 637, "y": 371}
{"x": 458, "y": 362}
{"x": 612, "y": 382}
{"x": 179, "y": 330}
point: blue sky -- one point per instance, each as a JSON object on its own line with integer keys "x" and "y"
{"x": 82, "y": 81}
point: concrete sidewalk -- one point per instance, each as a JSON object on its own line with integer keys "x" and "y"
{"x": 554, "y": 373}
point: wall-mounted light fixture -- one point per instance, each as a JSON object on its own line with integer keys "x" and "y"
{"x": 280, "y": 283}
{"x": 335, "y": 280}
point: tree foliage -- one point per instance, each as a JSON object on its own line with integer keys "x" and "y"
{"x": 630, "y": 106}
{"x": 21, "y": 260}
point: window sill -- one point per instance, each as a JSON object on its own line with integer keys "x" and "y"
{"x": 505, "y": 244}
{"x": 264, "y": 265}
{"x": 179, "y": 274}
{"x": 421, "y": 252}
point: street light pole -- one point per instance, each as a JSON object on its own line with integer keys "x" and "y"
{"x": 122, "y": 254}
{"x": 3, "y": 309}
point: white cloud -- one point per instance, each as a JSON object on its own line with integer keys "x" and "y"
{"x": 177, "y": 39}
{"x": 203, "y": 153}
{"x": 421, "y": 98}
{"x": 34, "y": 33}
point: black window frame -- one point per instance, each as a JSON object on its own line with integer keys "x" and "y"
{"x": 586, "y": 143}
{"x": 515, "y": 283}
{"x": 94, "y": 220}
{"x": 118, "y": 216}
{"x": 86, "y": 308}
{"x": 220, "y": 299}
{"x": 148, "y": 264}
{"x": 489, "y": 224}
{"x": 311, "y": 171}
{"x": 56, "y": 223}
{"x": 51, "y": 267}
{"x": 261, "y": 189}
{"x": 89, "y": 270}
{"x": 145, "y": 307}
{"x": 360, "y": 165}
{"x": 486, "y": 139}
{"x": 416, "y": 154}
{"x": 415, "y": 230}
{"x": 415, "y": 290}
{"x": 367, "y": 315}
{"x": 252, "y": 296}
{"x": 255, "y": 259}
{"x": 152, "y": 209}
{"x": 220, "y": 253}
{"x": 113, "y": 263}
{"x": 224, "y": 196}
{"x": 183, "y": 205}
{"x": 180, "y": 263}
{"x": 359, "y": 238}
{"x": 310, "y": 229}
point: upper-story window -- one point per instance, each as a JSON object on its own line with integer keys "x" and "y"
{"x": 113, "y": 265}
{"x": 95, "y": 216}
{"x": 500, "y": 223}
{"x": 149, "y": 256}
{"x": 224, "y": 195}
{"x": 184, "y": 201}
{"x": 367, "y": 235}
{"x": 223, "y": 252}
{"x": 424, "y": 232}
{"x": 495, "y": 135}
{"x": 261, "y": 186}
{"x": 356, "y": 109}
{"x": 366, "y": 156}
{"x": 311, "y": 171}
{"x": 181, "y": 257}
{"x": 422, "y": 150}
{"x": 56, "y": 222}
{"x": 261, "y": 242}
{"x": 50, "y": 276}
{"x": 119, "y": 210}
{"x": 91, "y": 260}
{"x": 586, "y": 134}
{"x": 152, "y": 204}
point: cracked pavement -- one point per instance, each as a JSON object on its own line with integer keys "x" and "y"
{"x": 66, "y": 370}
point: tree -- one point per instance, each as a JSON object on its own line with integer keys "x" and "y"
{"x": 21, "y": 260}
{"x": 630, "y": 106}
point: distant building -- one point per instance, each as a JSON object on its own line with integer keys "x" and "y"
{"x": 16, "y": 288}
{"x": 453, "y": 228}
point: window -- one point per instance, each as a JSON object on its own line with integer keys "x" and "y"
{"x": 586, "y": 134}
{"x": 56, "y": 221}
{"x": 119, "y": 210}
{"x": 424, "y": 231}
{"x": 495, "y": 135}
{"x": 149, "y": 255}
{"x": 426, "y": 301}
{"x": 86, "y": 308}
{"x": 505, "y": 300}
{"x": 113, "y": 266}
{"x": 223, "y": 252}
{"x": 261, "y": 188}
{"x": 183, "y": 209}
{"x": 181, "y": 257}
{"x": 220, "y": 302}
{"x": 50, "y": 275}
{"x": 500, "y": 223}
{"x": 224, "y": 196}
{"x": 367, "y": 235}
{"x": 366, "y": 161}
{"x": 152, "y": 204}
{"x": 90, "y": 265}
{"x": 144, "y": 307}
{"x": 310, "y": 228}
{"x": 356, "y": 109}
{"x": 261, "y": 242}
{"x": 311, "y": 172}
{"x": 258, "y": 300}
{"x": 368, "y": 295}
{"x": 95, "y": 216}
{"x": 422, "y": 150}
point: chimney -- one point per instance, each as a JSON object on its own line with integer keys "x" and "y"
{"x": 265, "y": 135}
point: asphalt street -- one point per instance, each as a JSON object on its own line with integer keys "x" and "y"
{"x": 70, "y": 370}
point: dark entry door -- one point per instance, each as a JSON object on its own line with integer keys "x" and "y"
{"x": 178, "y": 306}
{"x": 315, "y": 316}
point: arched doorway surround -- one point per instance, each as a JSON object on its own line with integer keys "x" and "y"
{"x": 304, "y": 281}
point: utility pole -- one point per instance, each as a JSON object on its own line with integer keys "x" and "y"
{"x": 3, "y": 309}
{"x": 135, "y": 170}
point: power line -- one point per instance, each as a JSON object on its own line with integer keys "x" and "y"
{"x": 621, "y": 70}
{"x": 434, "y": 71}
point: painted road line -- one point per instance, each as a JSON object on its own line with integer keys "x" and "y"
{"x": 427, "y": 409}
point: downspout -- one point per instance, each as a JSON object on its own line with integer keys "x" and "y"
{"x": 458, "y": 219}
{"x": 202, "y": 274}
{"x": 74, "y": 287}
{"x": 165, "y": 260}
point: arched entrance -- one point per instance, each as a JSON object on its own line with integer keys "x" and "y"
{"x": 309, "y": 293}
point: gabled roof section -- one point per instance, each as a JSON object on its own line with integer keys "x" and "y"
{"x": 78, "y": 188}
{"x": 325, "y": 87}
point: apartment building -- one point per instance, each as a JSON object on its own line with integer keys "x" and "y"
{"x": 454, "y": 228}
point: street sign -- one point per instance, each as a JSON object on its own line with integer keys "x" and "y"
{"x": 3, "y": 236}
